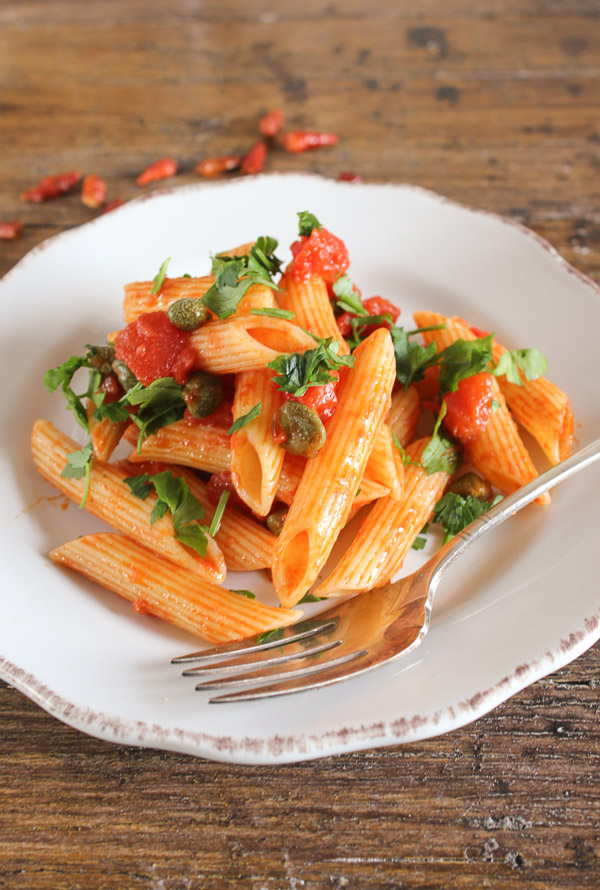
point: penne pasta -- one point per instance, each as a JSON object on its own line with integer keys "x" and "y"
{"x": 111, "y": 500}
{"x": 403, "y": 416}
{"x": 388, "y": 531}
{"x": 139, "y": 296}
{"x": 291, "y": 474}
{"x": 497, "y": 451}
{"x": 157, "y": 587}
{"x": 246, "y": 343}
{"x": 198, "y": 445}
{"x": 331, "y": 479}
{"x": 384, "y": 465}
{"x": 104, "y": 435}
{"x": 256, "y": 458}
{"x": 312, "y": 306}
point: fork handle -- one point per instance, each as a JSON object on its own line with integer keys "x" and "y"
{"x": 510, "y": 505}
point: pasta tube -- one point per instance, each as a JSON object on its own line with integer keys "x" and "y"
{"x": 331, "y": 479}
{"x": 157, "y": 587}
{"x": 110, "y": 499}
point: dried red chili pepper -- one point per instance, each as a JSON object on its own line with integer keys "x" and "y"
{"x": 10, "y": 230}
{"x": 349, "y": 176}
{"x": 93, "y": 191}
{"x": 52, "y": 187}
{"x": 219, "y": 164}
{"x": 164, "y": 168}
{"x": 254, "y": 160}
{"x": 303, "y": 140}
{"x": 112, "y": 205}
{"x": 271, "y": 123}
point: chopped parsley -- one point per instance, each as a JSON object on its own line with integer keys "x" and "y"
{"x": 174, "y": 496}
{"x": 306, "y": 223}
{"x": 406, "y": 459}
{"x": 215, "y": 523}
{"x": 245, "y": 419}
{"x": 79, "y": 464}
{"x": 159, "y": 278}
{"x": 63, "y": 376}
{"x": 461, "y": 359}
{"x": 418, "y": 543}
{"x": 159, "y": 404}
{"x": 270, "y": 635}
{"x": 234, "y": 275}
{"x": 348, "y": 299}
{"x": 248, "y": 593}
{"x": 441, "y": 454}
{"x": 273, "y": 312}
{"x": 297, "y": 371}
{"x": 531, "y": 362}
{"x": 456, "y": 511}
{"x": 311, "y": 598}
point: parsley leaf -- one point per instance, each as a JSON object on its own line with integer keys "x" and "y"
{"x": 531, "y": 362}
{"x": 248, "y": 593}
{"x": 348, "y": 299}
{"x": 215, "y": 523}
{"x": 63, "y": 376}
{"x": 418, "y": 543}
{"x": 440, "y": 454}
{"x": 406, "y": 459}
{"x": 412, "y": 359}
{"x": 273, "y": 312}
{"x": 160, "y": 404}
{"x": 307, "y": 222}
{"x": 174, "y": 495}
{"x": 270, "y": 635}
{"x": 461, "y": 359}
{"x": 79, "y": 464}
{"x": 297, "y": 371}
{"x": 311, "y": 598}
{"x": 159, "y": 278}
{"x": 234, "y": 275}
{"x": 456, "y": 511}
{"x": 242, "y": 421}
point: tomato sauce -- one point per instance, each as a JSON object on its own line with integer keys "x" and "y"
{"x": 322, "y": 399}
{"x": 374, "y": 306}
{"x": 152, "y": 347}
{"x": 468, "y": 410}
{"x": 319, "y": 253}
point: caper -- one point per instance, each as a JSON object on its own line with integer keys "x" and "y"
{"x": 470, "y": 484}
{"x": 124, "y": 374}
{"x": 275, "y": 522}
{"x": 187, "y": 314}
{"x": 101, "y": 357}
{"x": 303, "y": 428}
{"x": 202, "y": 394}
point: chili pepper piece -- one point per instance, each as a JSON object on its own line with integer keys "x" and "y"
{"x": 303, "y": 140}
{"x": 254, "y": 160}
{"x": 51, "y": 187}
{"x": 219, "y": 164}
{"x": 93, "y": 191}
{"x": 112, "y": 205}
{"x": 271, "y": 123}
{"x": 164, "y": 168}
{"x": 349, "y": 176}
{"x": 10, "y": 231}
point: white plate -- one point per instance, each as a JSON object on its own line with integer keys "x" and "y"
{"x": 522, "y": 605}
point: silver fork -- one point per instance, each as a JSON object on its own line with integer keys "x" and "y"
{"x": 362, "y": 633}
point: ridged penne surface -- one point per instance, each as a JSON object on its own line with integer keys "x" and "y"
{"x": 256, "y": 458}
{"x": 111, "y": 500}
{"x": 331, "y": 479}
{"x": 157, "y": 587}
{"x": 140, "y": 299}
{"x": 403, "y": 417}
{"x": 201, "y": 446}
{"x": 246, "y": 343}
{"x": 104, "y": 434}
{"x": 387, "y": 533}
{"x": 310, "y": 301}
{"x": 382, "y": 465}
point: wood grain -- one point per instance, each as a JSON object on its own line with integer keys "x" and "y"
{"x": 492, "y": 103}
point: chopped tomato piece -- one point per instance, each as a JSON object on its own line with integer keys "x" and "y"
{"x": 222, "y": 417}
{"x": 152, "y": 347}
{"x": 219, "y": 164}
{"x": 319, "y": 253}
{"x": 374, "y": 306}
{"x": 322, "y": 399}
{"x": 52, "y": 187}
{"x": 468, "y": 410}
{"x": 93, "y": 191}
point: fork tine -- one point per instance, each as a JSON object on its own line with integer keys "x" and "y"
{"x": 226, "y": 651}
{"x": 211, "y": 672}
{"x": 296, "y": 680}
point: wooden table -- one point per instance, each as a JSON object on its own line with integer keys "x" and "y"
{"x": 491, "y": 103}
